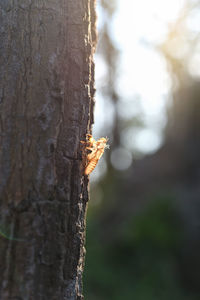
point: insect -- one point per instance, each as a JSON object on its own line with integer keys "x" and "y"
{"x": 97, "y": 149}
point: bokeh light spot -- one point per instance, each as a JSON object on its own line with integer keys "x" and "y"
{"x": 121, "y": 159}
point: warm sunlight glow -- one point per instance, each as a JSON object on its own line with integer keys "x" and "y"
{"x": 143, "y": 82}
{"x": 138, "y": 27}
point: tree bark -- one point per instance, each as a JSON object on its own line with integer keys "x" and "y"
{"x": 46, "y": 108}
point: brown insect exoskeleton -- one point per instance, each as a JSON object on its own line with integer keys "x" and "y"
{"x": 97, "y": 149}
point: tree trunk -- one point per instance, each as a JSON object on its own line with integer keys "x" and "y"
{"x": 46, "y": 108}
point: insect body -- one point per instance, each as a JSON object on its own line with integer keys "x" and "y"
{"x": 97, "y": 149}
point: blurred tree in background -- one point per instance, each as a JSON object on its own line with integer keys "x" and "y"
{"x": 143, "y": 234}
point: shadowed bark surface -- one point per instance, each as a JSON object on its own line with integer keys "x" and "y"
{"x": 46, "y": 108}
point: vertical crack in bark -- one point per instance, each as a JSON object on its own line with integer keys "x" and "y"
{"x": 9, "y": 263}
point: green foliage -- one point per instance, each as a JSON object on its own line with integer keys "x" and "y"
{"x": 142, "y": 263}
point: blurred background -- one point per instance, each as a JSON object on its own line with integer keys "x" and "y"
{"x": 143, "y": 223}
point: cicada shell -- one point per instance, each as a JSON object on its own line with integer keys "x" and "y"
{"x": 96, "y": 149}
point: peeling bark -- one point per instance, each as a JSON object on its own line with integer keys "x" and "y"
{"x": 46, "y": 108}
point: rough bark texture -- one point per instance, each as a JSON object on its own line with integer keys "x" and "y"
{"x": 46, "y": 108}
